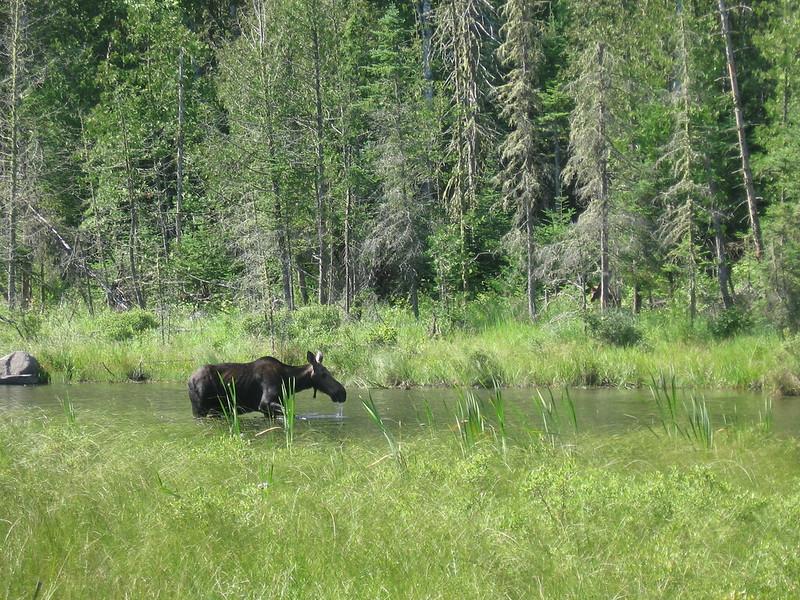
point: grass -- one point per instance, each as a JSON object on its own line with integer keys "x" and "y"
{"x": 482, "y": 350}
{"x": 101, "y": 508}
{"x": 289, "y": 411}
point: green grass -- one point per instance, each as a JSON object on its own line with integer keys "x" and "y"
{"x": 94, "y": 508}
{"x": 495, "y": 347}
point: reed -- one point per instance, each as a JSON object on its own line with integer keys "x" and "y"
{"x": 700, "y": 428}
{"x": 230, "y": 413}
{"x": 498, "y": 404}
{"x": 690, "y": 420}
{"x": 288, "y": 394}
{"x": 374, "y": 415}
{"x": 469, "y": 419}
{"x": 68, "y": 408}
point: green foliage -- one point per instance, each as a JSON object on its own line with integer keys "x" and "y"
{"x": 486, "y": 371}
{"x": 315, "y": 322}
{"x": 730, "y": 322}
{"x": 381, "y": 334}
{"x": 122, "y": 326}
{"x": 642, "y": 507}
{"x": 615, "y": 327}
{"x": 205, "y": 264}
{"x": 26, "y": 325}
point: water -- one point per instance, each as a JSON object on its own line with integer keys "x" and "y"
{"x": 406, "y": 411}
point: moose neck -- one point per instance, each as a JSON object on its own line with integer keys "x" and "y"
{"x": 300, "y": 377}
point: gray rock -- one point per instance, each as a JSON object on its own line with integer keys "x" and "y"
{"x": 19, "y": 368}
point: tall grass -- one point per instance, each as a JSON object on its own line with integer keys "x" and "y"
{"x": 288, "y": 412}
{"x": 230, "y": 412}
{"x": 681, "y": 419}
{"x": 375, "y": 416}
{"x": 486, "y": 343}
{"x": 554, "y": 411}
{"x": 469, "y": 419}
{"x": 68, "y": 408}
{"x": 498, "y": 404}
{"x": 171, "y": 512}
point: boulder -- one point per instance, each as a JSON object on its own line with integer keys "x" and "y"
{"x": 19, "y": 368}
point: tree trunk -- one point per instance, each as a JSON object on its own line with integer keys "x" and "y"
{"x": 531, "y": 283}
{"x": 415, "y": 294}
{"x": 301, "y": 283}
{"x": 425, "y": 26}
{"x": 319, "y": 183}
{"x": 556, "y": 171}
{"x": 133, "y": 218}
{"x": 348, "y": 268}
{"x": 637, "y": 299}
{"x": 723, "y": 270}
{"x": 13, "y": 167}
{"x": 179, "y": 166}
{"x": 744, "y": 151}
{"x": 605, "y": 270}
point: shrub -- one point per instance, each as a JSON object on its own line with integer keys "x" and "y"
{"x": 127, "y": 325}
{"x": 729, "y": 322}
{"x": 315, "y": 323}
{"x": 382, "y": 334}
{"x": 614, "y": 327}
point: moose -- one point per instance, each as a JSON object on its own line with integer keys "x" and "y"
{"x": 258, "y": 386}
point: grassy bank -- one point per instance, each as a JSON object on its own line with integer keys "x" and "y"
{"x": 387, "y": 347}
{"x": 102, "y": 509}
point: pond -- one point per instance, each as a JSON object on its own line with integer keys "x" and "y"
{"x": 408, "y": 412}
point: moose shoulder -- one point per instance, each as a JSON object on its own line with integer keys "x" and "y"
{"x": 258, "y": 385}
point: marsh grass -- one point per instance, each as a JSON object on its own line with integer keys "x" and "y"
{"x": 766, "y": 415}
{"x": 288, "y": 412}
{"x": 554, "y": 412}
{"x": 470, "y": 421}
{"x": 185, "y": 512}
{"x": 230, "y": 412}
{"x": 499, "y": 406}
{"x": 490, "y": 344}
{"x": 375, "y": 417}
{"x": 68, "y": 408}
{"x": 690, "y": 420}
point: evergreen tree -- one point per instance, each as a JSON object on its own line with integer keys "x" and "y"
{"x": 521, "y": 177}
{"x": 594, "y": 122}
{"x": 397, "y": 236}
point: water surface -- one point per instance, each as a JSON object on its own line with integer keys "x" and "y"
{"x": 407, "y": 411}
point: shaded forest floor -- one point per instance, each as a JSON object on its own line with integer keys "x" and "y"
{"x": 387, "y": 347}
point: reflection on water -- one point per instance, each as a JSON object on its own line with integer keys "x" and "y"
{"x": 599, "y": 410}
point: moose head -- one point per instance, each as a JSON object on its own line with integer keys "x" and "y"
{"x": 322, "y": 380}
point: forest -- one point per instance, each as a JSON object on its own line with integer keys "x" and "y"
{"x": 273, "y": 154}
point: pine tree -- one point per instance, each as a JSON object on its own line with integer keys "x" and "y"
{"x": 521, "y": 177}
{"x": 591, "y": 130}
{"x": 463, "y": 29}
{"x": 397, "y": 236}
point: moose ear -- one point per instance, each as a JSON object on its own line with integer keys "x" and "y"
{"x": 319, "y": 357}
{"x": 310, "y": 358}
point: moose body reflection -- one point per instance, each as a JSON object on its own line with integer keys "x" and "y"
{"x": 258, "y": 385}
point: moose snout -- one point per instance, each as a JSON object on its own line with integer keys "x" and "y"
{"x": 340, "y": 396}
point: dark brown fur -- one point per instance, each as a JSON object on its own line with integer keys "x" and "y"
{"x": 258, "y": 385}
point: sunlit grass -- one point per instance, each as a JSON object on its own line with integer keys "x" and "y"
{"x": 496, "y": 348}
{"x": 99, "y": 506}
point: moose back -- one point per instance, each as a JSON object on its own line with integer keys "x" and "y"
{"x": 258, "y": 386}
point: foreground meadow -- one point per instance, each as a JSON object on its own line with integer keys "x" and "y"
{"x": 92, "y": 508}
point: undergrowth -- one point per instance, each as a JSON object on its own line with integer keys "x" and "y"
{"x": 478, "y": 345}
